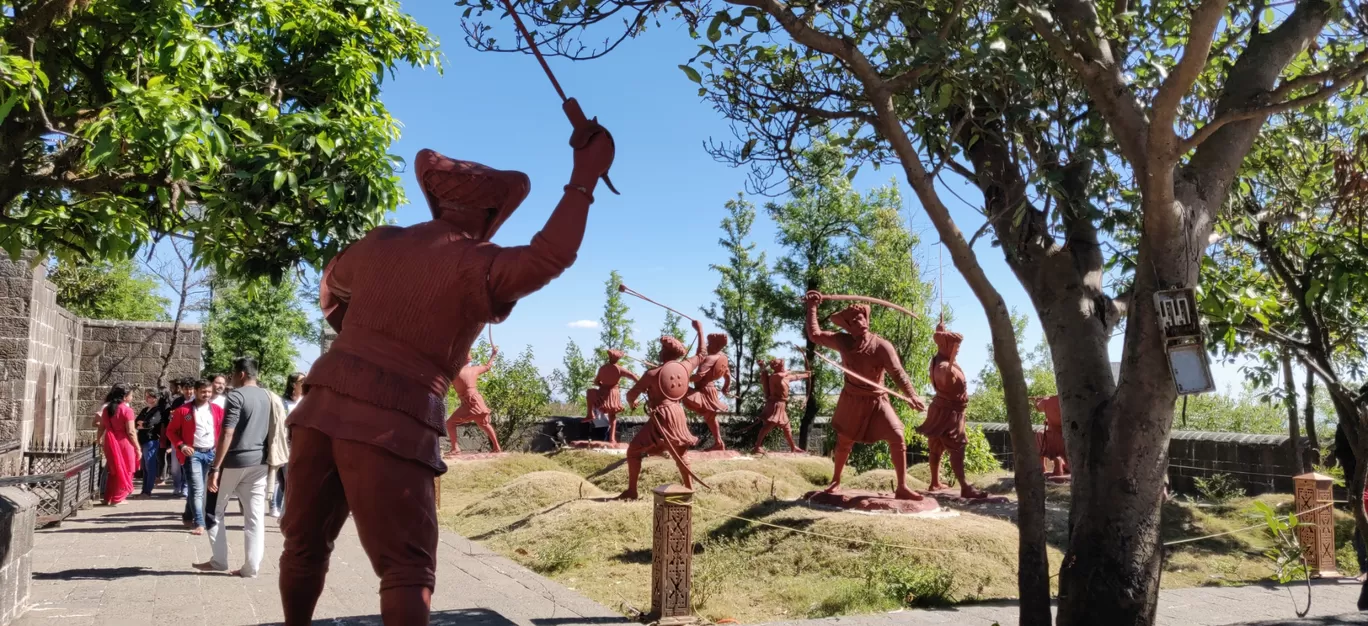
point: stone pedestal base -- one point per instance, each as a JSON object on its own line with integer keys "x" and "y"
{"x": 1059, "y": 480}
{"x": 598, "y": 445}
{"x": 871, "y": 502}
{"x": 475, "y": 456}
{"x": 783, "y": 455}
{"x": 952, "y": 496}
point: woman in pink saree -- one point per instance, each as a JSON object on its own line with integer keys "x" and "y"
{"x": 116, "y": 434}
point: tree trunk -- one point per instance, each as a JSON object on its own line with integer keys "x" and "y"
{"x": 810, "y": 406}
{"x": 1312, "y": 444}
{"x": 1293, "y": 432}
{"x": 175, "y": 327}
{"x": 1112, "y": 569}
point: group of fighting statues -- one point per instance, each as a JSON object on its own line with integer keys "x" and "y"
{"x": 409, "y": 302}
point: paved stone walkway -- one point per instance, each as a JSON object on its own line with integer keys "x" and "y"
{"x": 131, "y": 565}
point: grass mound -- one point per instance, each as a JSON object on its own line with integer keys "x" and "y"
{"x": 745, "y": 486}
{"x": 883, "y": 480}
{"x": 586, "y": 462}
{"x": 533, "y": 492}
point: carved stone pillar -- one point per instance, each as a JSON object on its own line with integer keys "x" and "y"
{"x": 672, "y": 556}
{"x": 1316, "y": 530}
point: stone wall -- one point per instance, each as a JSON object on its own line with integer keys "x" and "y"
{"x": 18, "y": 512}
{"x": 55, "y": 367}
{"x": 1258, "y": 463}
{"x": 133, "y": 353}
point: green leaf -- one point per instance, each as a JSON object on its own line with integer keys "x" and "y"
{"x": 692, "y": 74}
{"x": 944, "y": 96}
{"x": 179, "y": 56}
{"x": 998, "y": 45}
{"x": 715, "y": 27}
{"x": 746, "y": 149}
{"x": 279, "y": 180}
{"x": 326, "y": 143}
{"x": 8, "y": 105}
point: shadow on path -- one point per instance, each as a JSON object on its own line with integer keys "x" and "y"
{"x": 106, "y": 573}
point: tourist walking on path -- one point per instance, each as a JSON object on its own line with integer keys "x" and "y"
{"x": 294, "y": 392}
{"x": 150, "y": 423}
{"x": 117, "y": 434}
{"x": 240, "y": 468}
{"x": 193, "y": 433}
{"x": 185, "y": 396}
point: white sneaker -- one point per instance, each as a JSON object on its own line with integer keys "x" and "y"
{"x": 274, "y": 512}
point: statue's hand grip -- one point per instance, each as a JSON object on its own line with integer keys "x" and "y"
{"x": 585, "y": 130}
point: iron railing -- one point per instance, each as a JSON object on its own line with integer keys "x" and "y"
{"x": 64, "y": 477}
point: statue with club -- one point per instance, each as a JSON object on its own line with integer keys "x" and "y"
{"x": 703, "y": 399}
{"x": 604, "y": 397}
{"x": 944, "y": 425}
{"x": 863, "y": 413}
{"x": 667, "y": 428}
{"x": 473, "y": 409}
{"x": 775, "y": 413}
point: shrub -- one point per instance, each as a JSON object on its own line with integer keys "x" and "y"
{"x": 908, "y": 582}
{"x": 1219, "y": 488}
{"x": 715, "y": 566}
{"x": 559, "y": 556}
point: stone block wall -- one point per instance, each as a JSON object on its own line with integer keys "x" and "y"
{"x": 18, "y": 513}
{"x": 1258, "y": 463}
{"x": 133, "y": 353}
{"x": 55, "y": 367}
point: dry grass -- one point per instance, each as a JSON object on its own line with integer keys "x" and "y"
{"x": 552, "y": 515}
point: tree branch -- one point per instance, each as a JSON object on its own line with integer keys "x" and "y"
{"x": 1164, "y": 112}
{"x": 1338, "y": 84}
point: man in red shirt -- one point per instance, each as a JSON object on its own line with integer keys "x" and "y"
{"x": 407, "y": 304}
{"x": 193, "y": 433}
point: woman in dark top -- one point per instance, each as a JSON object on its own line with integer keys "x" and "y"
{"x": 150, "y": 422}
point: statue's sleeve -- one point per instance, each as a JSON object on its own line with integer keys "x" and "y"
{"x": 895, "y": 369}
{"x": 829, "y": 339}
{"x": 521, "y": 270}
{"x": 626, "y": 373}
{"x": 334, "y": 291}
{"x": 638, "y": 388}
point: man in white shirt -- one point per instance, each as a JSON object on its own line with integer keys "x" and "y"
{"x": 220, "y": 390}
{"x": 193, "y": 434}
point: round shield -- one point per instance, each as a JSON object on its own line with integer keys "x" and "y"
{"x": 673, "y": 380}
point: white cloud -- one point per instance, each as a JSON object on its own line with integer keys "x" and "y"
{"x": 583, "y": 324}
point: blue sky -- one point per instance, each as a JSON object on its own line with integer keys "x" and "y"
{"x": 661, "y": 234}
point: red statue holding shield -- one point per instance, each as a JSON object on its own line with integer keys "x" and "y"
{"x": 863, "y": 413}
{"x": 775, "y": 413}
{"x": 667, "y": 430}
{"x": 704, "y": 399}
{"x": 944, "y": 425}
{"x": 407, "y": 303}
{"x": 605, "y": 398}
{"x": 473, "y": 409}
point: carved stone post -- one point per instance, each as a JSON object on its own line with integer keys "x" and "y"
{"x": 672, "y": 556}
{"x": 1316, "y": 530}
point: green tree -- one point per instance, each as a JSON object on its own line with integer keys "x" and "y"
{"x": 817, "y": 227}
{"x": 256, "y": 319}
{"x": 740, "y": 309}
{"x": 615, "y": 327}
{"x": 254, "y": 127}
{"x": 577, "y": 375}
{"x": 108, "y": 290}
{"x": 988, "y": 403}
{"x": 670, "y": 327}
{"x": 1051, "y": 111}
{"x": 516, "y": 392}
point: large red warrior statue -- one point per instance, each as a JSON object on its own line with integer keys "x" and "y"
{"x": 944, "y": 425}
{"x": 863, "y": 413}
{"x": 775, "y": 413}
{"x": 473, "y": 409}
{"x": 667, "y": 428}
{"x": 407, "y": 304}
{"x": 703, "y": 399}
{"x": 605, "y": 398}
{"x": 1051, "y": 442}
